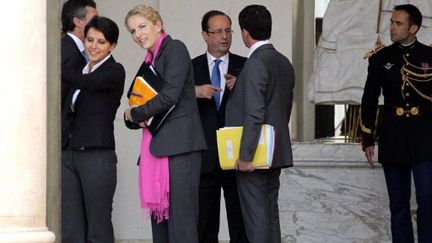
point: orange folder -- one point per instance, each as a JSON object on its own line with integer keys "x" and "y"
{"x": 141, "y": 93}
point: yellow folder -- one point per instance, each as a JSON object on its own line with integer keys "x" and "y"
{"x": 228, "y": 141}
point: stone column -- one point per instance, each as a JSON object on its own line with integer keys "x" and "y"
{"x": 303, "y": 49}
{"x": 23, "y": 129}
{"x": 53, "y": 116}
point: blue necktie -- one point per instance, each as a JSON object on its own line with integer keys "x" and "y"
{"x": 215, "y": 80}
{"x": 86, "y": 57}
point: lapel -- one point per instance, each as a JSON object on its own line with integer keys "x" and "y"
{"x": 162, "y": 47}
{"x": 234, "y": 66}
{"x": 231, "y": 70}
{"x": 159, "y": 60}
{"x": 71, "y": 42}
{"x": 203, "y": 69}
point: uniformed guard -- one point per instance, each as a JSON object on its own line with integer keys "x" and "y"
{"x": 402, "y": 72}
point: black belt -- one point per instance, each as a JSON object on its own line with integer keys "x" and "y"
{"x": 409, "y": 111}
{"x": 400, "y": 111}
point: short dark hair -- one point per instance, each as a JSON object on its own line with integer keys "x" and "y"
{"x": 105, "y": 25}
{"x": 256, "y": 19}
{"x": 415, "y": 16}
{"x": 208, "y": 15}
{"x": 72, "y": 9}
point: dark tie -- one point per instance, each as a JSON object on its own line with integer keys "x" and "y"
{"x": 215, "y": 80}
{"x": 84, "y": 53}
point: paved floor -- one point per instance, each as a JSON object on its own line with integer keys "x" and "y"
{"x": 331, "y": 204}
{"x": 334, "y": 200}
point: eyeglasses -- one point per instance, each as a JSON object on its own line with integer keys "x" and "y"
{"x": 221, "y": 31}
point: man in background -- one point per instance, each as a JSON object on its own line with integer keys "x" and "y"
{"x": 75, "y": 16}
{"x": 215, "y": 75}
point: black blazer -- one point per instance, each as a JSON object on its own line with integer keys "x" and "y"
{"x": 91, "y": 125}
{"x": 71, "y": 59}
{"x": 211, "y": 118}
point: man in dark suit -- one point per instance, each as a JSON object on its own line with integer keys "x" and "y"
{"x": 217, "y": 33}
{"x": 263, "y": 94}
{"x": 402, "y": 72}
{"x": 75, "y": 15}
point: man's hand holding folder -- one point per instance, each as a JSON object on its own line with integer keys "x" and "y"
{"x": 229, "y": 142}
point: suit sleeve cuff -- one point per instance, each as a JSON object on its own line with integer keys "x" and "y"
{"x": 367, "y": 140}
{"x": 134, "y": 115}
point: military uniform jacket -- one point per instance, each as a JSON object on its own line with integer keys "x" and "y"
{"x": 404, "y": 76}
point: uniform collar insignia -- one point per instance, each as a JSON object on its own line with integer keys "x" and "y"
{"x": 388, "y": 66}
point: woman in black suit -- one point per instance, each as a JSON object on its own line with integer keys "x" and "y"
{"x": 89, "y": 172}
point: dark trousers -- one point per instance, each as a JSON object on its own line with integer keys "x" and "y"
{"x": 398, "y": 180}
{"x": 259, "y": 193}
{"x": 181, "y": 227}
{"x": 209, "y": 207}
{"x": 88, "y": 181}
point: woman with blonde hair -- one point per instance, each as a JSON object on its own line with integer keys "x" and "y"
{"x": 170, "y": 159}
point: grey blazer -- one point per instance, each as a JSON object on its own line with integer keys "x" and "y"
{"x": 263, "y": 94}
{"x": 183, "y": 131}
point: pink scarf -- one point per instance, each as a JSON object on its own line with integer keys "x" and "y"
{"x": 153, "y": 175}
{"x": 150, "y": 57}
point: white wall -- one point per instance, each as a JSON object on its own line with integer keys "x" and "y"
{"x": 182, "y": 20}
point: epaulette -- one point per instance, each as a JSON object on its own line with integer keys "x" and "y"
{"x": 378, "y": 47}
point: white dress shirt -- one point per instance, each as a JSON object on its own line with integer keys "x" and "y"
{"x": 256, "y": 45}
{"x": 77, "y": 41}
